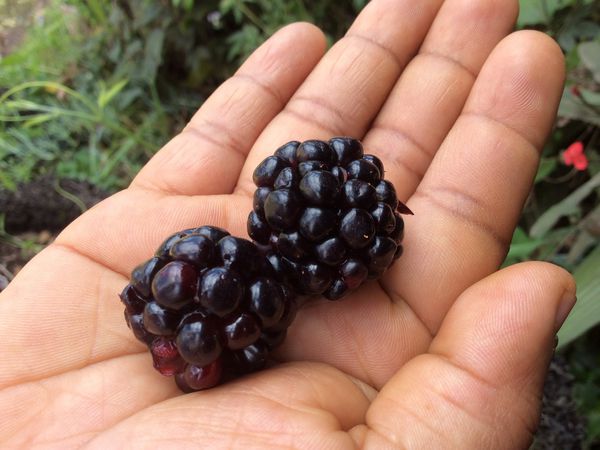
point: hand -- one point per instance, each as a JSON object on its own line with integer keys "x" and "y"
{"x": 444, "y": 352}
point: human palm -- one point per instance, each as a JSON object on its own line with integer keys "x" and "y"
{"x": 443, "y": 352}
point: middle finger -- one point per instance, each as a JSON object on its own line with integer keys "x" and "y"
{"x": 347, "y": 88}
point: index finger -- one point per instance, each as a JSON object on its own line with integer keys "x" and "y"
{"x": 207, "y": 156}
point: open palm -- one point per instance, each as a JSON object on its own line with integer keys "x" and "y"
{"x": 443, "y": 352}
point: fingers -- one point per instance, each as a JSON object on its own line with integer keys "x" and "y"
{"x": 432, "y": 91}
{"x": 49, "y": 330}
{"x": 480, "y": 384}
{"x": 301, "y": 405}
{"x": 206, "y": 158}
{"x": 469, "y": 202}
{"x": 125, "y": 229}
{"x": 347, "y": 88}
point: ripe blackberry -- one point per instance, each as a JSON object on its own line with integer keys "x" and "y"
{"x": 207, "y": 306}
{"x": 328, "y": 216}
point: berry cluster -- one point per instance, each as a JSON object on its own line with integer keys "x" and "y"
{"x": 211, "y": 306}
{"x": 327, "y": 214}
{"x": 207, "y": 306}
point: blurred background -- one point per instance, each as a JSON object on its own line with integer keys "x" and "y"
{"x": 90, "y": 89}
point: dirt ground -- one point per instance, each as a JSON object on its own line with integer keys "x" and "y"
{"x": 34, "y": 214}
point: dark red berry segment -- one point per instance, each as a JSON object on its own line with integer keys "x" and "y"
{"x": 175, "y": 284}
{"x": 346, "y": 149}
{"x": 241, "y": 331}
{"x": 136, "y": 324}
{"x": 315, "y": 151}
{"x": 310, "y": 166}
{"x": 195, "y": 249}
{"x": 221, "y": 290}
{"x": 357, "y": 228}
{"x": 384, "y": 218}
{"x": 142, "y": 275}
{"x": 358, "y": 194}
{"x": 381, "y": 253}
{"x": 287, "y": 152}
{"x": 267, "y": 171}
{"x": 317, "y": 223}
{"x": 258, "y": 228}
{"x": 165, "y": 247}
{"x": 287, "y": 178}
{"x": 251, "y": 358}
{"x": 386, "y": 193}
{"x": 341, "y": 210}
{"x": 198, "y": 341}
{"x": 354, "y": 272}
{"x": 165, "y": 357}
{"x": 314, "y": 278}
{"x": 337, "y": 290}
{"x": 258, "y": 202}
{"x": 293, "y": 245}
{"x": 331, "y": 252}
{"x": 133, "y": 301}
{"x": 195, "y": 378}
{"x": 282, "y": 208}
{"x": 267, "y": 301}
{"x": 362, "y": 169}
{"x": 375, "y": 161}
{"x": 320, "y": 188}
{"x": 159, "y": 320}
{"x": 215, "y": 234}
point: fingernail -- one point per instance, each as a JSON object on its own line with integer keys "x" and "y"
{"x": 564, "y": 308}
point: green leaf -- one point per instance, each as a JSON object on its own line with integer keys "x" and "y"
{"x": 539, "y": 11}
{"x": 153, "y": 54}
{"x": 590, "y": 97}
{"x": 589, "y": 52}
{"x": 106, "y": 96}
{"x": 39, "y": 119}
{"x": 566, "y": 207}
{"x": 547, "y": 165}
{"x": 586, "y": 312}
{"x": 522, "y": 246}
{"x": 573, "y": 108}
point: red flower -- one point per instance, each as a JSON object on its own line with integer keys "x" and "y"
{"x": 575, "y": 90}
{"x": 574, "y": 156}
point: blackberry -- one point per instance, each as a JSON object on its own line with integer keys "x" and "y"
{"x": 207, "y": 306}
{"x": 211, "y": 306}
{"x": 327, "y": 214}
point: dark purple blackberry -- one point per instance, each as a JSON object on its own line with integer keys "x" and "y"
{"x": 208, "y": 306}
{"x": 330, "y": 218}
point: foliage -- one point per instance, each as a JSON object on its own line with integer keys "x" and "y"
{"x": 561, "y": 222}
{"x": 98, "y": 86}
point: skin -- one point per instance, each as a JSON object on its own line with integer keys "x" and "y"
{"x": 446, "y": 351}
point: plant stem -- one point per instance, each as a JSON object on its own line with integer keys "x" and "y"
{"x": 252, "y": 17}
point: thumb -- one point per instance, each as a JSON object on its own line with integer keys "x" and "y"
{"x": 480, "y": 383}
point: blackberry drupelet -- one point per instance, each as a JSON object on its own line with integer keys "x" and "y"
{"x": 327, "y": 214}
{"x": 207, "y": 306}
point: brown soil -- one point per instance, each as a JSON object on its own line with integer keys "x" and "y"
{"x": 561, "y": 427}
{"x": 44, "y": 204}
{"x": 34, "y": 214}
